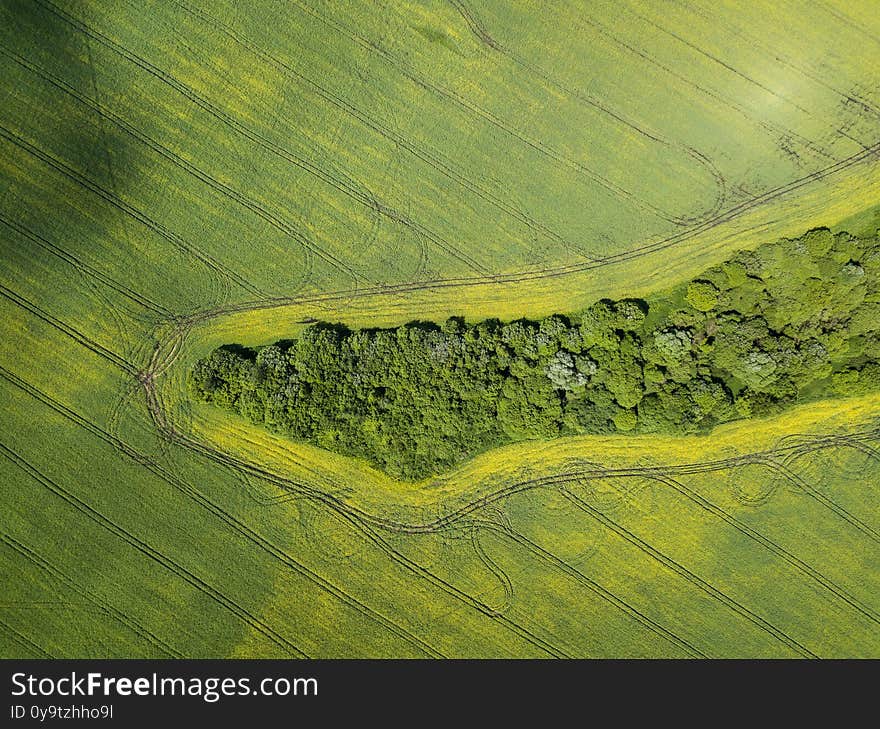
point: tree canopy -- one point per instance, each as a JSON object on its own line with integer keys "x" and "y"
{"x": 789, "y": 322}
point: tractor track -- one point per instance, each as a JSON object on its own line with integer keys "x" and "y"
{"x": 168, "y": 345}
{"x": 230, "y": 520}
{"x": 478, "y": 29}
{"x": 90, "y": 597}
{"x": 83, "y": 181}
{"x": 154, "y": 554}
{"x": 687, "y": 575}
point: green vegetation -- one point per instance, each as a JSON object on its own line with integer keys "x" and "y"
{"x": 789, "y": 322}
{"x": 179, "y": 175}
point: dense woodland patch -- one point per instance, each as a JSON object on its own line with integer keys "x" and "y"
{"x": 792, "y": 321}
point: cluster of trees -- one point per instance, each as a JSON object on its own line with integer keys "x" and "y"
{"x": 791, "y": 321}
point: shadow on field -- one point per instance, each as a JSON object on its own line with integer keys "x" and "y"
{"x": 56, "y": 80}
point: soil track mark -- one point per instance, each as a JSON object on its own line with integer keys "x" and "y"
{"x": 76, "y": 177}
{"x": 23, "y": 640}
{"x": 153, "y": 554}
{"x": 479, "y": 30}
{"x": 69, "y": 331}
{"x": 496, "y": 571}
{"x": 230, "y": 520}
{"x": 105, "y": 608}
{"x": 686, "y": 574}
{"x": 139, "y": 299}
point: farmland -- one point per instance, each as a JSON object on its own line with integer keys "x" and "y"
{"x": 179, "y": 175}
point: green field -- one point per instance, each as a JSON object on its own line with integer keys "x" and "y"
{"x": 179, "y": 175}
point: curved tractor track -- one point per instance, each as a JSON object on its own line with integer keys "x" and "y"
{"x": 170, "y": 337}
{"x": 689, "y": 226}
{"x": 481, "y": 513}
{"x": 377, "y": 529}
{"x": 166, "y": 343}
{"x": 478, "y": 29}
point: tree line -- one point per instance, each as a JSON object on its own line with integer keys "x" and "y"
{"x": 788, "y": 322}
